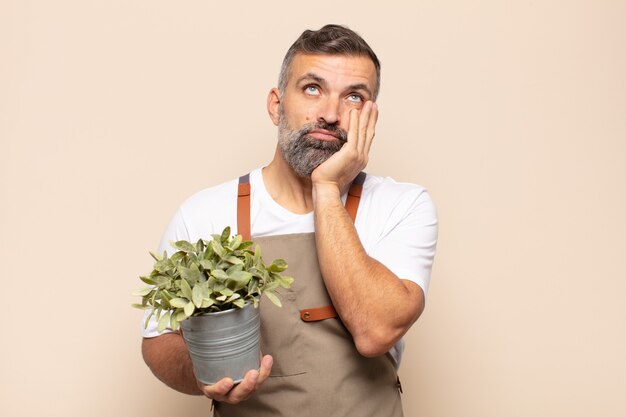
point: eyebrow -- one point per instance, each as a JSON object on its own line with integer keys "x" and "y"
{"x": 361, "y": 86}
{"x": 322, "y": 81}
{"x": 311, "y": 76}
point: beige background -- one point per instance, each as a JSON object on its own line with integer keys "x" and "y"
{"x": 513, "y": 114}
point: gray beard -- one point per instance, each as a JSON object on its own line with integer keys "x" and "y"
{"x": 304, "y": 153}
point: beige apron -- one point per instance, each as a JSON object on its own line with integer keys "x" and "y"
{"x": 317, "y": 370}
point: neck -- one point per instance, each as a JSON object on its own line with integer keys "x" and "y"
{"x": 287, "y": 188}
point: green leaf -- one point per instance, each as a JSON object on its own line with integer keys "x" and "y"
{"x": 239, "y": 279}
{"x": 146, "y": 299}
{"x": 142, "y": 292}
{"x": 239, "y": 303}
{"x": 140, "y": 306}
{"x": 177, "y": 257}
{"x": 148, "y": 319}
{"x": 219, "y": 274}
{"x": 207, "y": 302}
{"x": 186, "y": 289}
{"x": 226, "y": 291}
{"x": 194, "y": 273}
{"x": 167, "y": 295}
{"x": 163, "y": 322}
{"x": 246, "y": 244}
{"x": 161, "y": 281}
{"x": 218, "y": 286}
{"x": 279, "y": 265}
{"x": 285, "y": 281}
{"x": 147, "y": 280}
{"x": 183, "y": 245}
{"x": 271, "y": 286}
{"x": 273, "y": 298}
{"x": 234, "y": 244}
{"x": 179, "y": 302}
{"x": 233, "y": 297}
{"x": 174, "y": 322}
{"x": 235, "y": 268}
{"x": 234, "y": 260}
{"x": 253, "y": 286}
{"x": 191, "y": 274}
{"x": 189, "y": 308}
{"x": 221, "y": 298}
{"x": 156, "y": 256}
{"x": 192, "y": 259}
{"x": 197, "y": 295}
{"x": 207, "y": 264}
{"x": 257, "y": 254}
{"x": 225, "y": 235}
{"x": 218, "y": 249}
{"x": 164, "y": 265}
{"x": 256, "y": 272}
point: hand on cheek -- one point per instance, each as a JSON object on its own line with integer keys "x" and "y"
{"x": 341, "y": 168}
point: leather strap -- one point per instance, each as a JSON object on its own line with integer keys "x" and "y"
{"x": 243, "y": 228}
{"x": 243, "y": 207}
{"x": 318, "y": 313}
{"x": 354, "y": 195}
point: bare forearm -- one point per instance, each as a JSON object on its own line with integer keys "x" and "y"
{"x": 374, "y": 304}
{"x": 168, "y": 359}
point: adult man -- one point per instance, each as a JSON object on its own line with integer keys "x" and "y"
{"x": 375, "y": 275}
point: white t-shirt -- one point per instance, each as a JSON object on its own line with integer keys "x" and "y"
{"x": 396, "y": 223}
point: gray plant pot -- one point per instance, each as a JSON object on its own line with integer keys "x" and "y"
{"x": 223, "y": 344}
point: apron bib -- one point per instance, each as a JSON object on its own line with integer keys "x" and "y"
{"x": 317, "y": 370}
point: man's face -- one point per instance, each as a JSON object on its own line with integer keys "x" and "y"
{"x": 315, "y": 106}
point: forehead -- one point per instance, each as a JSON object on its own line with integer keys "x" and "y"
{"x": 338, "y": 70}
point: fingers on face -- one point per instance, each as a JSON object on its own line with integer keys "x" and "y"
{"x": 353, "y": 129}
{"x": 364, "y": 125}
{"x": 362, "y": 129}
{"x": 371, "y": 127}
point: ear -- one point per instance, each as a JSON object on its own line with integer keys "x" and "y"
{"x": 273, "y": 105}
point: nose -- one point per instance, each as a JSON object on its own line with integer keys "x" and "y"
{"x": 329, "y": 111}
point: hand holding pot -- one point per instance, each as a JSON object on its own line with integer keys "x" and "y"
{"x": 226, "y": 391}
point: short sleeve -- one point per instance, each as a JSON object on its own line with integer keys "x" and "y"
{"x": 175, "y": 230}
{"x": 409, "y": 238}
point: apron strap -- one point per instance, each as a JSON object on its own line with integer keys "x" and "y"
{"x": 243, "y": 228}
{"x": 354, "y": 195}
{"x": 243, "y": 207}
{"x": 243, "y": 202}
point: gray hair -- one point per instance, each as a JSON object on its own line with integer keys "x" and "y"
{"x": 329, "y": 40}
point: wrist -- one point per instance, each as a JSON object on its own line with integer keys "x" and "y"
{"x": 326, "y": 192}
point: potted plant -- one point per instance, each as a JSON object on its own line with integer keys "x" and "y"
{"x": 211, "y": 289}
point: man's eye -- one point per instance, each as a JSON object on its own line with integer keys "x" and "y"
{"x": 312, "y": 90}
{"x": 355, "y": 98}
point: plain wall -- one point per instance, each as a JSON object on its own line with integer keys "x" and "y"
{"x": 512, "y": 114}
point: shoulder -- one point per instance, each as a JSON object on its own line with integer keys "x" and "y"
{"x": 384, "y": 194}
{"x": 209, "y": 210}
{"x": 398, "y": 227}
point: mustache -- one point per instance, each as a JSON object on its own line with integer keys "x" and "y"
{"x": 341, "y": 134}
